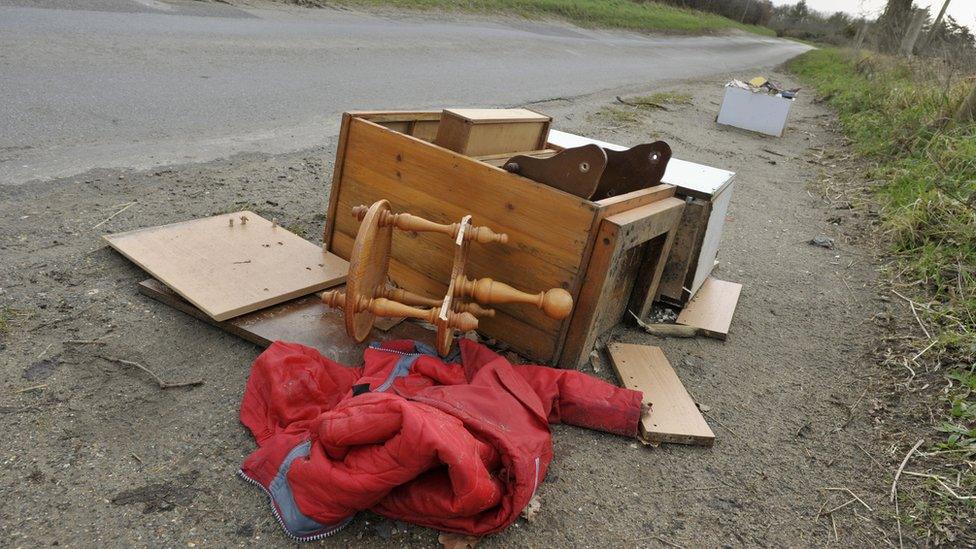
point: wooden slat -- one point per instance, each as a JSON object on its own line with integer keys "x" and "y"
{"x": 680, "y": 268}
{"x": 340, "y": 163}
{"x": 673, "y": 416}
{"x": 304, "y": 320}
{"x": 712, "y": 307}
{"x": 500, "y": 159}
{"x": 228, "y": 270}
{"x": 397, "y": 116}
{"x": 621, "y": 203}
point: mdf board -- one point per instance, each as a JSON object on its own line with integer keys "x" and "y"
{"x": 304, "y": 320}
{"x": 673, "y": 416}
{"x": 624, "y": 270}
{"x": 712, "y": 307}
{"x": 550, "y": 232}
{"x": 476, "y": 132}
{"x": 228, "y": 269}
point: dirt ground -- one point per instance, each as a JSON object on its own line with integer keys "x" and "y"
{"x": 94, "y": 452}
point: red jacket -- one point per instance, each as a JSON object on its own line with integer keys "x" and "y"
{"x": 458, "y": 447}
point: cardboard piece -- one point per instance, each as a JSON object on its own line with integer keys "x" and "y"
{"x": 673, "y": 416}
{"x": 227, "y": 269}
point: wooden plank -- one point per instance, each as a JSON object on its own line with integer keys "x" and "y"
{"x": 397, "y": 116}
{"x": 621, "y": 203}
{"x": 548, "y": 230}
{"x": 673, "y": 416}
{"x": 500, "y": 159}
{"x": 617, "y": 259}
{"x": 304, "y": 320}
{"x": 230, "y": 269}
{"x": 712, "y": 307}
{"x": 681, "y": 265}
{"x": 340, "y": 162}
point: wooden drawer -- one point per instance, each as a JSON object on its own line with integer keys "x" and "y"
{"x": 477, "y": 132}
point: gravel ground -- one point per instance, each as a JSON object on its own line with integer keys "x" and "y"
{"x": 95, "y": 453}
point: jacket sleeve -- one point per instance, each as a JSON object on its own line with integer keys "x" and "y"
{"x": 290, "y": 385}
{"x": 579, "y": 399}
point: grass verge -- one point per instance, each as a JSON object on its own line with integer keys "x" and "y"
{"x": 895, "y": 114}
{"x": 617, "y": 14}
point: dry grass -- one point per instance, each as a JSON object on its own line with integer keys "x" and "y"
{"x": 924, "y": 191}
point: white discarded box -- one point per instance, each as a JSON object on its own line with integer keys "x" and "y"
{"x": 754, "y": 111}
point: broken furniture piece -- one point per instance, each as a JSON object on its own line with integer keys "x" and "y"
{"x": 707, "y": 193}
{"x": 475, "y": 132}
{"x": 367, "y": 295}
{"x": 552, "y": 234}
{"x": 593, "y": 172}
{"x": 231, "y": 264}
{"x": 672, "y": 415}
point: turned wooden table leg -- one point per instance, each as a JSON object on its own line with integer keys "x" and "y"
{"x": 556, "y": 303}
{"x": 410, "y": 222}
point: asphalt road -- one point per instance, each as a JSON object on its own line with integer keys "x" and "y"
{"x": 140, "y": 83}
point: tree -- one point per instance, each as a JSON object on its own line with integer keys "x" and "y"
{"x": 935, "y": 25}
{"x": 799, "y": 12}
{"x": 894, "y": 23}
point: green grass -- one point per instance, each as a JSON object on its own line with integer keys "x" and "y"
{"x": 618, "y": 14}
{"x": 6, "y": 315}
{"x": 666, "y": 98}
{"x": 895, "y": 114}
{"x": 8, "y": 319}
{"x": 617, "y": 116}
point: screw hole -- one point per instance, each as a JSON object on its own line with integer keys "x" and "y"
{"x": 584, "y": 167}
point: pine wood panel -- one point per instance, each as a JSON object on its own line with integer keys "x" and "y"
{"x": 228, "y": 270}
{"x": 673, "y": 416}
